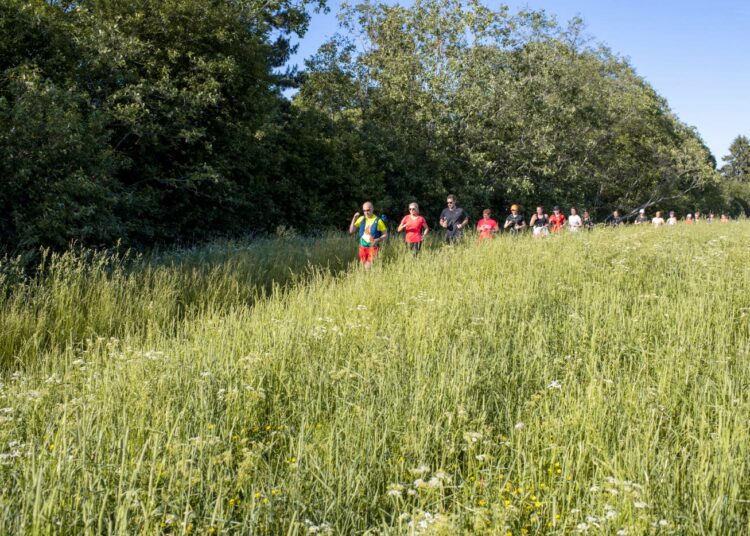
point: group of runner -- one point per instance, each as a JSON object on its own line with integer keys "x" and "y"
{"x": 372, "y": 230}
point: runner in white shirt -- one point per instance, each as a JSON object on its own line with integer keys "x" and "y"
{"x": 657, "y": 221}
{"x": 574, "y": 221}
{"x": 672, "y": 220}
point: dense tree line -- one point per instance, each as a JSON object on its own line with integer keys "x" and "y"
{"x": 150, "y": 122}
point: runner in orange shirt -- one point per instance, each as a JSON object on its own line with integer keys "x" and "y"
{"x": 487, "y": 227}
{"x": 557, "y": 220}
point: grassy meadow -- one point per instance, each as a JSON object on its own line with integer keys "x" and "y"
{"x": 595, "y": 383}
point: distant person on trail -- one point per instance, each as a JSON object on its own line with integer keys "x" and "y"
{"x": 539, "y": 223}
{"x": 574, "y": 221}
{"x": 641, "y": 218}
{"x": 371, "y": 231}
{"x": 689, "y": 219}
{"x": 515, "y": 221}
{"x": 416, "y": 228}
{"x": 614, "y": 219}
{"x": 657, "y": 221}
{"x": 697, "y": 217}
{"x": 557, "y": 220}
{"x": 588, "y": 221}
{"x": 487, "y": 227}
{"x": 710, "y": 218}
{"x": 672, "y": 220}
{"x": 724, "y": 218}
{"x": 453, "y": 219}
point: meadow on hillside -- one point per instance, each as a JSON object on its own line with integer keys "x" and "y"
{"x": 593, "y": 383}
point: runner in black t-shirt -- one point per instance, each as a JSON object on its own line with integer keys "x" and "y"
{"x": 539, "y": 222}
{"x": 453, "y": 219}
{"x": 588, "y": 222}
{"x": 515, "y": 221}
{"x": 614, "y": 219}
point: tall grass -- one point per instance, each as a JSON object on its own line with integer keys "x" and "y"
{"x": 81, "y": 293}
{"x": 582, "y": 383}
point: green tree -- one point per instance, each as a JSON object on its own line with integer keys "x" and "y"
{"x": 736, "y": 173}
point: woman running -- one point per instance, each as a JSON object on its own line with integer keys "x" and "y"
{"x": 574, "y": 221}
{"x": 416, "y": 228}
{"x": 487, "y": 227}
{"x": 540, "y": 223}
{"x": 657, "y": 221}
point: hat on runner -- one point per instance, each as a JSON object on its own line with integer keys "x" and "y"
{"x": 514, "y": 207}
{"x": 642, "y": 211}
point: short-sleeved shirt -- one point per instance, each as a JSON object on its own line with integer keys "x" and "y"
{"x": 556, "y": 222}
{"x": 366, "y": 239}
{"x": 515, "y": 220}
{"x": 485, "y": 226}
{"x": 574, "y": 222}
{"x": 613, "y": 220}
{"x": 641, "y": 219}
{"x": 453, "y": 217}
{"x": 413, "y": 227}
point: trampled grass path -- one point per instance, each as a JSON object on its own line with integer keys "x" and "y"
{"x": 595, "y": 383}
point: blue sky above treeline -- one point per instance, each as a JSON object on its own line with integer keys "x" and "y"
{"x": 695, "y": 53}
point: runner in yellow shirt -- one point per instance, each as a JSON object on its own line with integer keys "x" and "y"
{"x": 371, "y": 231}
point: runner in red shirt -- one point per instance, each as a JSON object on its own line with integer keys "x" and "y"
{"x": 487, "y": 227}
{"x": 557, "y": 220}
{"x": 416, "y": 228}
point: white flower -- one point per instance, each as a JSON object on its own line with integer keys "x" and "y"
{"x": 519, "y": 426}
{"x": 421, "y": 470}
{"x": 472, "y": 437}
{"x": 611, "y": 514}
{"x": 622, "y": 532}
{"x": 613, "y": 491}
{"x": 361, "y": 307}
{"x": 663, "y": 522}
{"x": 434, "y": 483}
{"x": 442, "y": 475}
{"x": 582, "y": 527}
{"x": 554, "y": 384}
{"x": 640, "y": 505}
{"x": 481, "y": 457}
{"x": 394, "y": 493}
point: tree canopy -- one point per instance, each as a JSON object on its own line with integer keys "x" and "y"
{"x": 147, "y": 122}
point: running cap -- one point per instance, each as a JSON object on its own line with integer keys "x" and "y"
{"x": 642, "y": 211}
{"x": 514, "y": 207}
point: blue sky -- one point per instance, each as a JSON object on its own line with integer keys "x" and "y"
{"x": 695, "y": 53}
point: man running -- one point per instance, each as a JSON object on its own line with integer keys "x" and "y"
{"x": 453, "y": 219}
{"x": 515, "y": 221}
{"x": 641, "y": 218}
{"x": 371, "y": 231}
{"x": 557, "y": 220}
{"x": 614, "y": 220}
{"x": 487, "y": 227}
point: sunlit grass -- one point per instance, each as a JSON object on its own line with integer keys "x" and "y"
{"x": 592, "y": 383}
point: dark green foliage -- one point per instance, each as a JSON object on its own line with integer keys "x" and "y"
{"x": 147, "y": 122}
{"x": 500, "y": 109}
{"x": 736, "y": 175}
